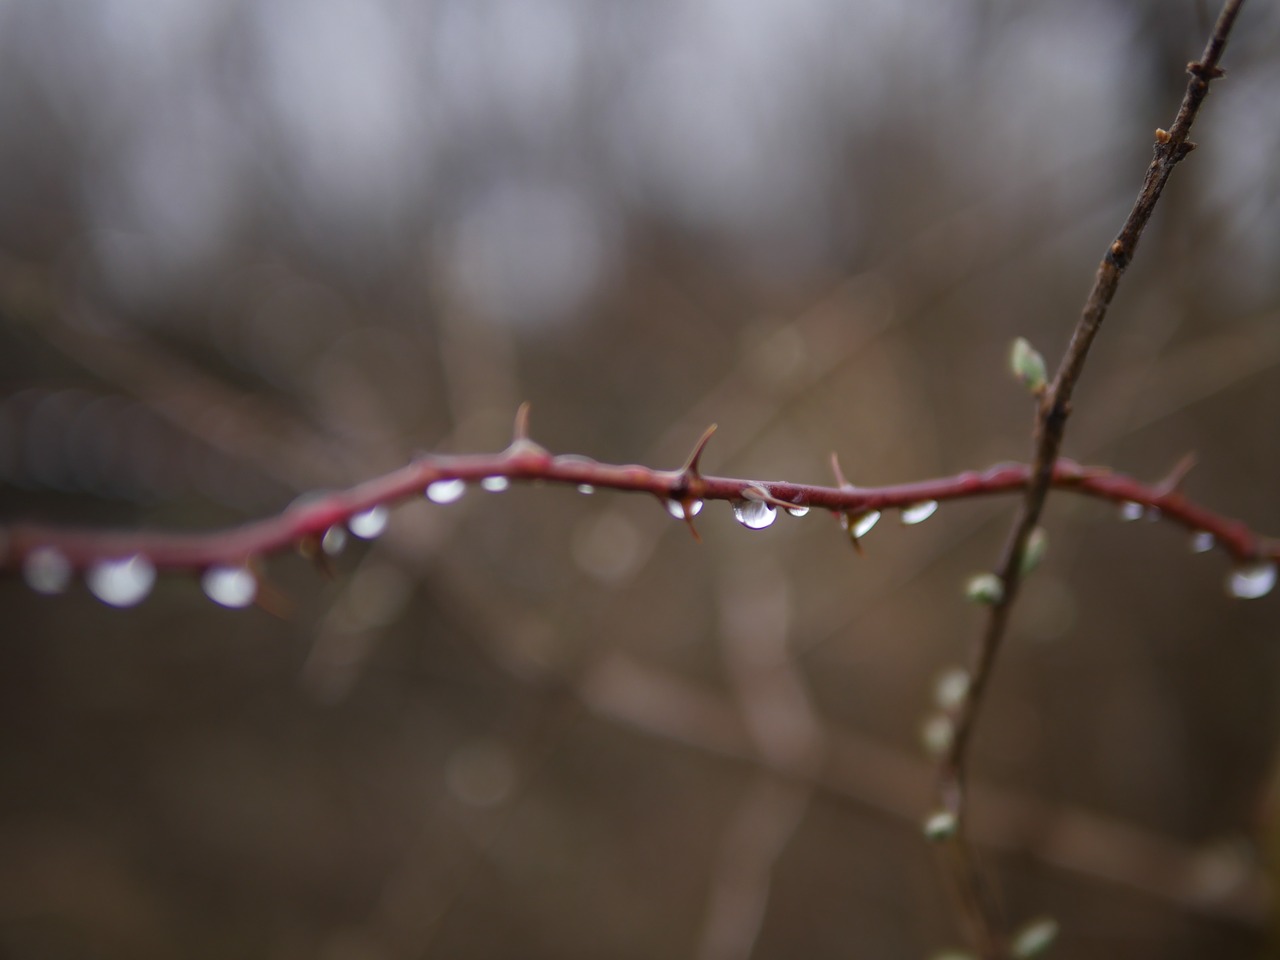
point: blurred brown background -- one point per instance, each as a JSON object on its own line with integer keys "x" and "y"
{"x": 252, "y": 249}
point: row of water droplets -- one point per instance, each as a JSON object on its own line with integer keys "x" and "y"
{"x": 127, "y": 581}
{"x": 1246, "y": 582}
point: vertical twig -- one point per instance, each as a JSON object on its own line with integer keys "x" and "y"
{"x": 1171, "y": 146}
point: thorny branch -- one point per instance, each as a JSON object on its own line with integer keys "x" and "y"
{"x": 683, "y": 491}
{"x": 1171, "y": 146}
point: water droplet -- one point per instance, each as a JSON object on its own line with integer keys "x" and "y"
{"x": 121, "y": 583}
{"x": 919, "y": 512}
{"x": 798, "y": 510}
{"x": 233, "y": 587}
{"x": 1253, "y": 581}
{"x": 586, "y": 488}
{"x": 677, "y": 509}
{"x": 951, "y": 688}
{"x": 936, "y": 734}
{"x": 941, "y": 825}
{"x": 1129, "y": 510}
{"x": 371, "y": 523}
{"x": 446, "y": 491}
{"x": 860, "y": 526}
{"x": 46, "y": 570}
{"x": 334, "y": 540}
{"x": 1202, "y": 541}
{"x": 494, "y": 484}
{"x": 755, "y": 514}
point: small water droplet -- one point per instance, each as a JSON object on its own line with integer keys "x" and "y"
{"x": 861, "y": 526}
{"x": 233, "y": 587}
{"x": 1202, "y": 541}
{"x": 1253, "y": 581}
{"x": 446, "y": 491}
{"x": 677, "y": 509}
{"x": 1129, "y": 510}
{"x": 919, "y": 512}
{"x": 755, "y": 514}
{"x": 369, "y": 524}
{"x": 46, "y": 570}
{"x": 586, "y": 488}
{"x": 494, "y": 484}
{"x": 123, "y": 582}
{"x": 799, "y": 510}
{"x": 334, "y": 540}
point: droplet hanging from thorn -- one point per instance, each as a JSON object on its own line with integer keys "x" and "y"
{"x": 680, "y": 511}
{"x": 755, "y": 514}
{"x": 334, "y": 540}
{"x": 46, "y": 570}
{"x": 586, "y": 488}
{"x": 1130, "y": 510}
{"x": 861, "y": 525}
{"x": 799, "y": 510}
{"x": 1202, "y": 541}
{"x": 1253, "y": 581}
{"x": 370, "y": 524}
{"x": 495, "y": 484}
{"x": 233, "y": 587}
{"x": 919, "y": 512}
{"x": 123, "y": 582}
{"x": 446, "y": 491}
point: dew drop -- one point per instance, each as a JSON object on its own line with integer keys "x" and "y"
{"x": 334, "y": 540}
{"x": 233, "y": 587}
{"x": 861, "y": 526}
{"x": 586, "y": 488}
{"x": 677, "y": 509}
{"x": 1253, "y": 581}
{"x": 121, "y": 583}
{"x": 494, "y": 484}
{"x": 755, "y": 514}
{"x": 371, "y": 523}
{"x": 46, "y": 570}
{"x": 1202, "y": 541}
{"x": 446, "y": 491}
{"x": 798, "y": 510}
{"x": 919, "y": 512}
{"x": 1129, "y": 510}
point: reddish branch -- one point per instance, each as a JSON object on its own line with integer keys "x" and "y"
{"x": 312, "y": 516}
{"x": 1171, "y": 147}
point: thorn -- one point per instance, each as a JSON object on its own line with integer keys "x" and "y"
{"x": 757, "y": 492}
{"x": 520, "y": 442}
{"x": 1198, "y": 69}
{"x": 521, "y": 430}
{"x": 1162, "y": 135}
{"x": 310, "y": 548}
{"x": 697, "y": 538}
{"x": 835, "y": 468}
{"x": 271, "y": 598}
{"x": 1172, "y": 483}
{"x": 690, "y": 468}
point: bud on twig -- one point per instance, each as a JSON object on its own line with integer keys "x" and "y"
{"x": 1028, "y": 366}
{"x": 984, "y": 588}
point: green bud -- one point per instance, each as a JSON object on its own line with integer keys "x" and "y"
{"x": 941, "y": 826}
{"x": 1037, "y": 544}
{"x": 1035, "y": 938}
{"x": 1028, "y": 366}
{"x": 984, "y": 588}
{"x": 951, "y": 687}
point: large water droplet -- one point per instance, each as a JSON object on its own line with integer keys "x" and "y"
{"x": 799, "y": 510}
{"x": 1253, "y": 581}
{"x": 334, "y": 540}
{"x": 586, "y": 488}
{"x": 919, "y": 512}
{"x": 233, "y": 587}
{"x": 1202, "y": 541}
{"x": 494, "y": 484}
{"x": 755, "y": 514}
{"x": 677, "y": 509}
{"x": 121, "y": 583}
{"x": 861, "y": 525}
{"x": 46, "y": 570}
{"x": 446, "y": 491}
{"x": 1129, "y": 510}
{"x": 371, "y": 523}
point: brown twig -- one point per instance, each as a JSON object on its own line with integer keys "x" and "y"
{"x": 1171, "y": 147}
